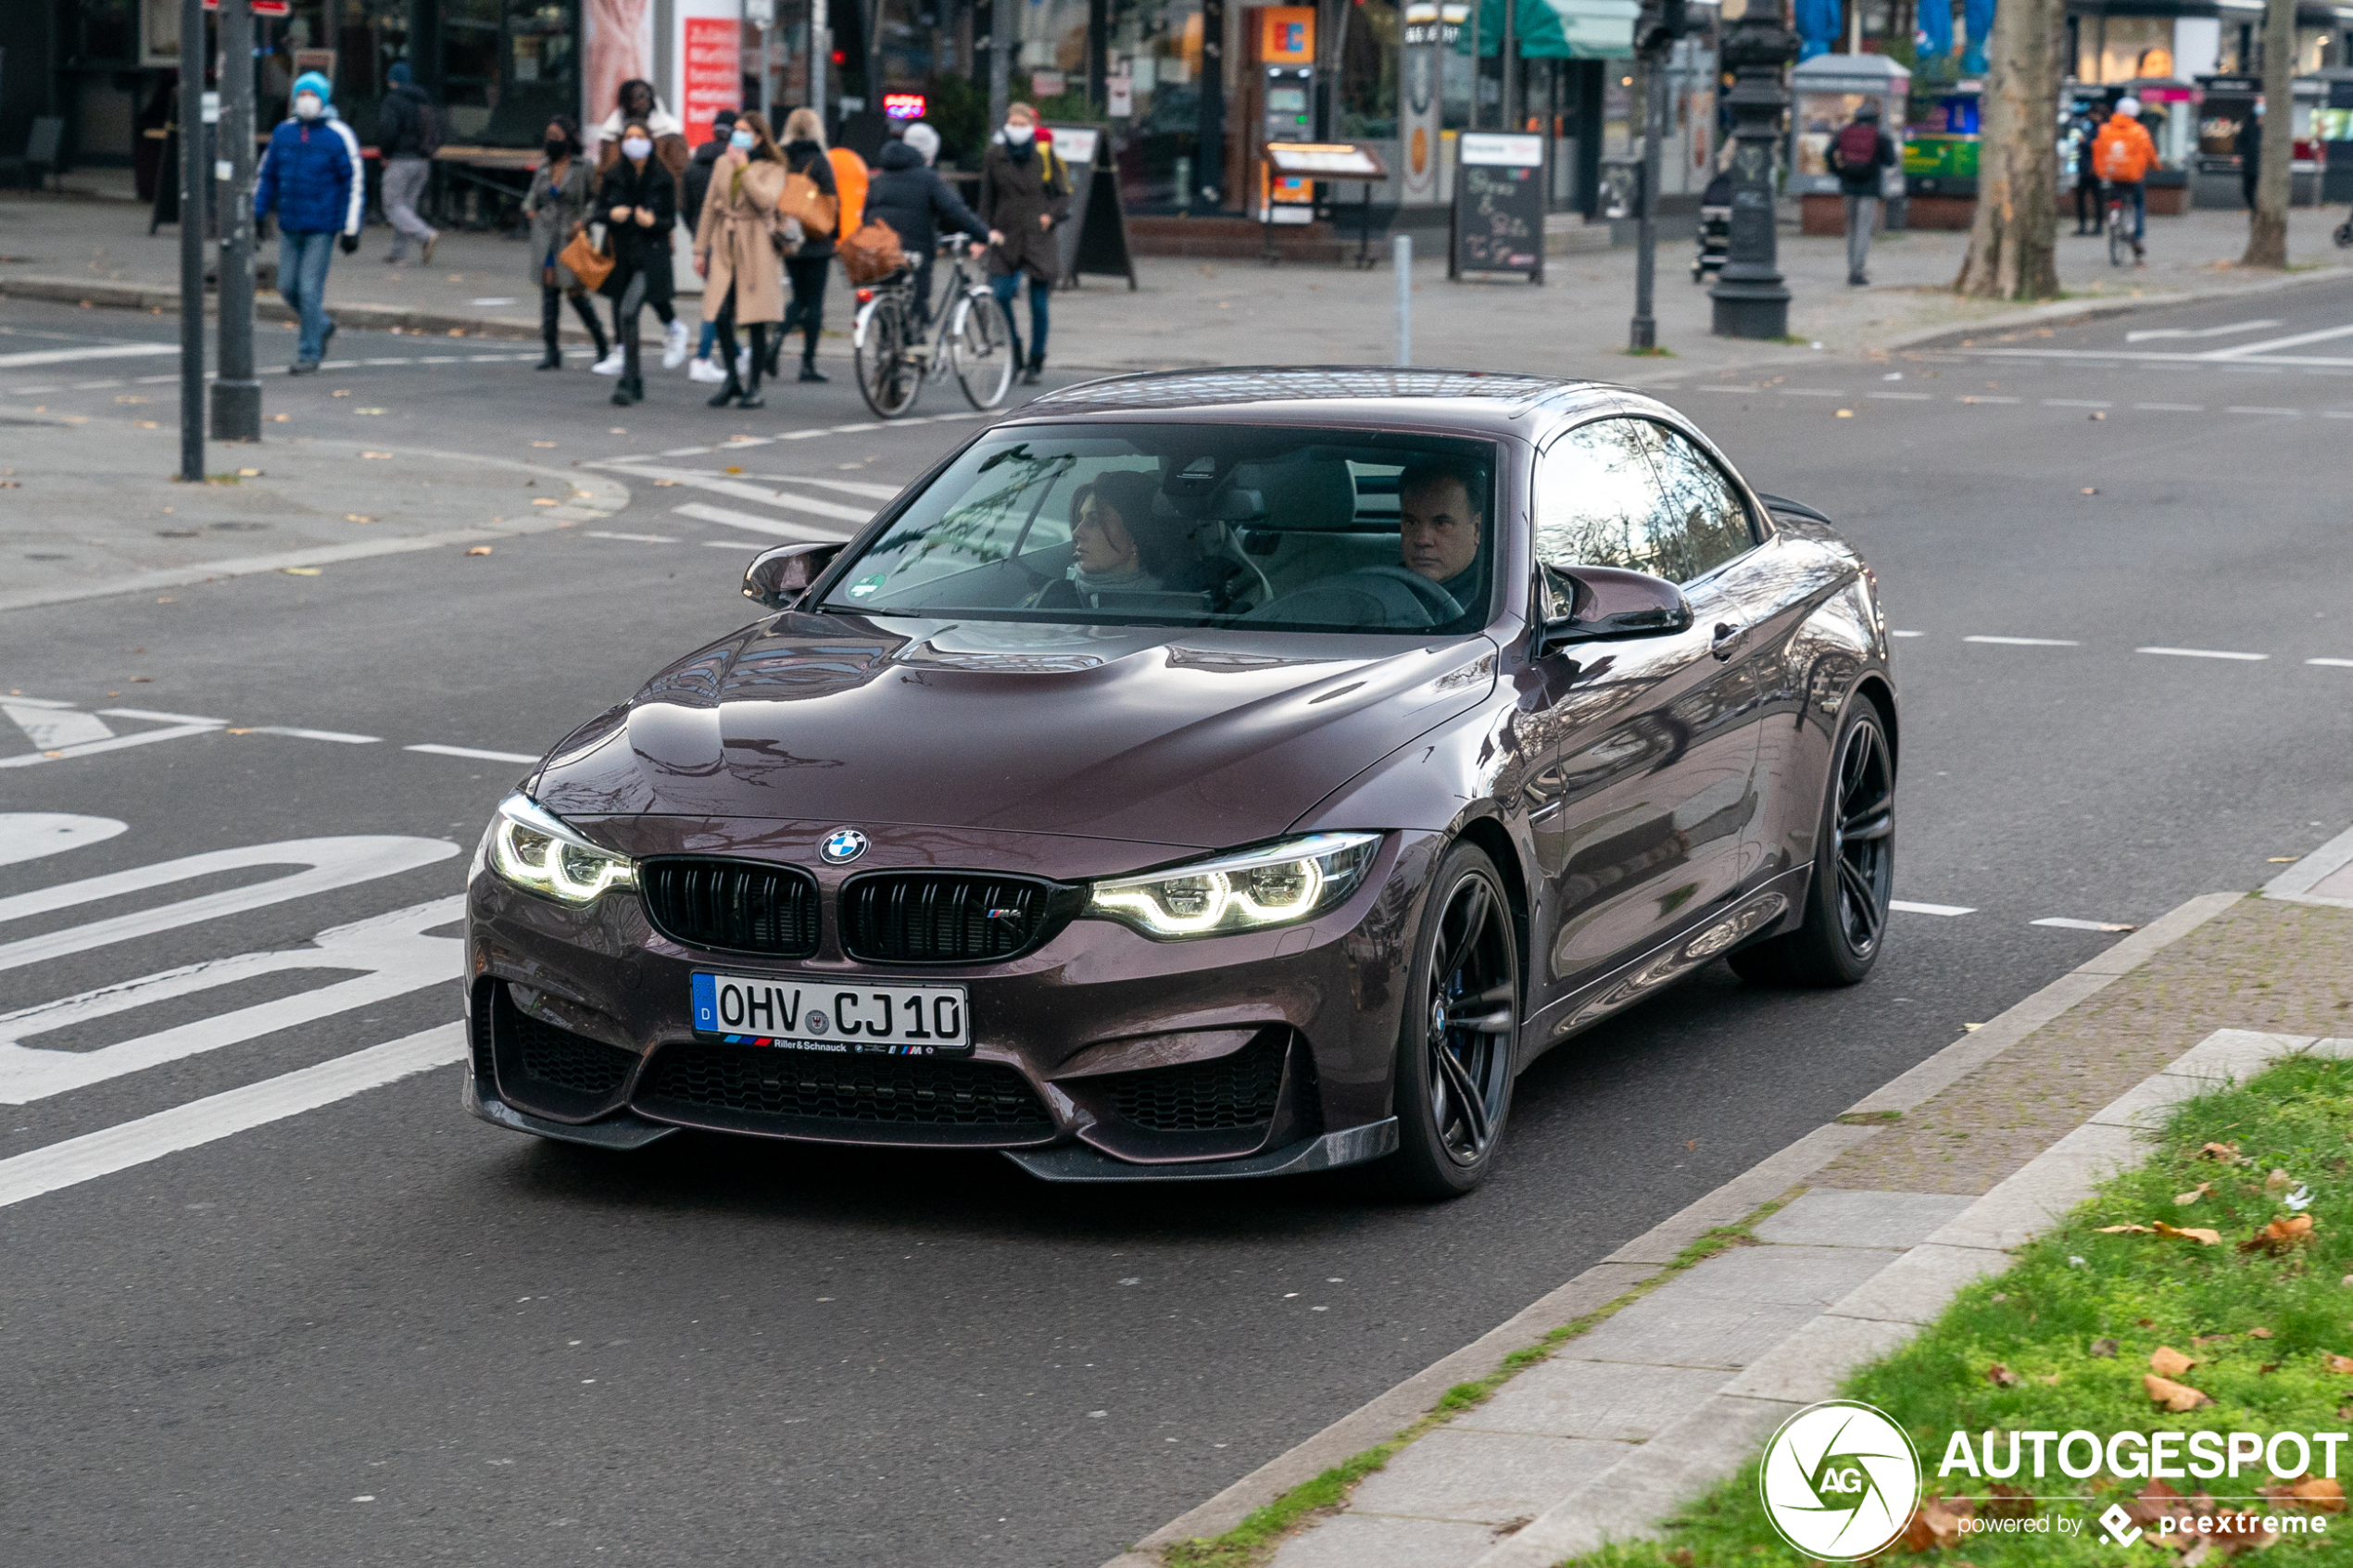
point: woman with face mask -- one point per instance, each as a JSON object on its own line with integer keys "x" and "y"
{"x": 559, "y": 204}
{"x": 641, "y": 107}
{"x": 637, "y": 201}
{"x": 1025, "y": 192}
{"x": 743, "y": 279}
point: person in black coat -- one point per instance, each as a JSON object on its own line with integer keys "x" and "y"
{"x": 637, "y": 200}
{"x": 2248, "y": 144}
{"x": 806, "y": 268}
{"x": 693, "y": 186}
{"x": 907, "y": 193}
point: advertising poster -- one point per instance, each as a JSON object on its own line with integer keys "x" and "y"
{"x": 710, "y": 70}
{"x": 620, "y": 46}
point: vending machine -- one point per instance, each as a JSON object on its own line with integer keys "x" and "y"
{"x": 1283, "y": 83}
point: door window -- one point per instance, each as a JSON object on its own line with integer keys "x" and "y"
{"x": 1635, "y": 494}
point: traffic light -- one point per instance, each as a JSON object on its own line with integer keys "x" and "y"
{"x": 1663, "y": 21}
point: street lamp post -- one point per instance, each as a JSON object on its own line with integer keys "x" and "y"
{"x": 191, "y": 193}
{"x": 1642, "y": 335}
{"x": 1751, "y": 300}
{"x": 236, "y": 395}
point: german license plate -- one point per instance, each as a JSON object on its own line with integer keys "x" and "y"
{"x": 831, "y": 1015}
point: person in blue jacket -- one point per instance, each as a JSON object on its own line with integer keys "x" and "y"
{"x": 313, "y": 179}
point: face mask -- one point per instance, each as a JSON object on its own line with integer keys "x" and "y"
{"x": 741, "y": 141}
{"x": 1019, "y": 135}
{"x": 556, "y": 148}
{"x": 636, "y": 148}
{"x": 307, "y": 106}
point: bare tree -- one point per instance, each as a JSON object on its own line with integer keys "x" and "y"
{"x": 2013, "y": 245}
{"x": 2267, "y": 225}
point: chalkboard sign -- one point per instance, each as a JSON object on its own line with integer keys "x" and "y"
{"x": 1499, "y": 206}
{"x": 1094, "y": 238}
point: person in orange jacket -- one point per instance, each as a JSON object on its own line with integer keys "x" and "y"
{"x": 2122, "y": 155}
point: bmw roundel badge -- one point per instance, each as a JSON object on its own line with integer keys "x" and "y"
{"x": 842, "y": 845}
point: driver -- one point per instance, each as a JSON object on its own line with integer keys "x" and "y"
{"x": 1441, "y": 524}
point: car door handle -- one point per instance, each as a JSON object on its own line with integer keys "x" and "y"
{"x": 1727, "y": 639}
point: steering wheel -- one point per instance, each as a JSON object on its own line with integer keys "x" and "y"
{"x": 1433, "y": 598}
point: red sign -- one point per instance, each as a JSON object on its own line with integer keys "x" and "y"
{"x": 904, "y": 106}
{"x": 711, "y": 76}
{"x": 259, "y": 8}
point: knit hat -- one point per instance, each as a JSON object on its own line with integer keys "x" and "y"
{"x": 311, "y": 81}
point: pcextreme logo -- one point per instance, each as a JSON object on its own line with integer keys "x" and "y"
{"x": 1840, "y": 1480}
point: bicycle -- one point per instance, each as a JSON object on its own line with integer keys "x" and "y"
{"x": 2120, "y": 232}
{"x": 970, "y": 339}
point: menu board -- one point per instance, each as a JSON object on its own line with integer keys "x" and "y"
{"x": 1499, "y": 205}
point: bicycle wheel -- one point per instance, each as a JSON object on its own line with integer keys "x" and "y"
{"x": 2117, "y": 243}
{"x": 888, "y": 377}
{"x": 980, "y": 346}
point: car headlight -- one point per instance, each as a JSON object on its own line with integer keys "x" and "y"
{"x": 1250, "y": 890}
{"x": 534, "y": 848}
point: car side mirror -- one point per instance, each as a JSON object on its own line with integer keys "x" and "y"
{"x": 779, "y": 577}
{"x": 1612, "y": 603}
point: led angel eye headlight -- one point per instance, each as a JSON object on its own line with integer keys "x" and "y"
{"x": 534, "y": 848}
{"x": 1248, "y": 891}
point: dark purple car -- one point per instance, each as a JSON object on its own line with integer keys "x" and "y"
{"x": 1203, "y": 775}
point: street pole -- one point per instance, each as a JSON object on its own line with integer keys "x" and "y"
{"x": 1642, "y": 335}
{"x": 236, "y": 395}
{"x": 820, "y": 55}
{"x": 1751, "y": 301}
{"x": 1000, "y": 48}
{"x": 1505, "y": 120}
{"x": 1401, "y": 256}
{"x": 192, "y": 194}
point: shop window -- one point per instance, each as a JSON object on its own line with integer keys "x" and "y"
{"x": 1366, "y": 108}
{"x": 1156, "y": 45}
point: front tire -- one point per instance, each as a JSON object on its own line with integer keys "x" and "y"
{"x": 1456, "y": 1049}
{"x": 981, "y": 348}
{"x": 1846, "y": 921}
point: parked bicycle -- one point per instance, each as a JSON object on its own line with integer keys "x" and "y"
{"x": 970, "y": 339}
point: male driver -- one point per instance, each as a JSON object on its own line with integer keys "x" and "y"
{"x": 2122, "y": 155}
{"x": 1441, "y": 519}
{"x": 313, "y": 179}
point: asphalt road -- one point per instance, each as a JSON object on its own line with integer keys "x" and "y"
{"x": 382, "y": 1332}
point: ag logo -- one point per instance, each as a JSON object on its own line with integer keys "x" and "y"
{"x": 1840, "y": 1480}
{"x": 843, "y": 845}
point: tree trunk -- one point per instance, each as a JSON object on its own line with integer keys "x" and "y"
{"x": 2267, "y": 225}
{"x": 2013, "y": 245}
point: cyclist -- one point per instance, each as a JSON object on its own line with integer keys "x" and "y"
{"x": 908, "y": 194}
{"x": 2122, "y": 153}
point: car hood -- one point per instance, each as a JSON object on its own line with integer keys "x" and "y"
{"x": 1179, "y": 738}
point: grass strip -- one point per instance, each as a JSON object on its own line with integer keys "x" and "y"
{"x": 1251, "y": 1542}
{"x": 2062, "y": 1340}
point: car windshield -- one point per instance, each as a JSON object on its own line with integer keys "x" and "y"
{"x": 1193, "y": 525}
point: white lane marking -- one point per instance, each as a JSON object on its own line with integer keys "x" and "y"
{"x": 2337, "y": 413}
{"x": 27, "y": 835}
{"x": 735, "y": 545}
{"x": 95, "y": 386}
{"x": 2149, "y": 357}
{"x": 158, "y": 718}
{"x": 720, "y": 484}
{"x": 846, "y": 486}
{"x": 336, "y": 736}
{"x": 1910, "y": 909}
{"x": 2291, "y": 413}
{"x": 1975, "y": 397}
{"x": 223, "y": 1115}
{"x": 634, "y": 538}
{"x": 852, "y": 429}
{"x": 684, "y": 452}
{"x": 391, "y": 953}
{"x": 2149, "y": 332}
{"x": 2076, "y": 403}
{"x": 1903, "y": 396}
{"x": 144, "y": 737}
{"x": 39, "y": 702}
{"x": 51, "y": 728}
{"x": 478, "y": 755}
{"x": 94, "y": 351}
{"x": 2272, "y": 345}
{"x": 327, "y": 863}
{"x": 37, "y": 391}
{"x": 1907, "y": 633}
{"x": 2332, "y": 663}
{"x": 2204, "y": 653}
{"x": 801, "y": 532}
{"x": 1736, "y": 391}
{"x": 1812, "y": 391}
{"x": 2028, "y": 642}
{"x": 2063, "y": 924}
{"x": 2171, "y": 407}
{"x": 737, "y": 442}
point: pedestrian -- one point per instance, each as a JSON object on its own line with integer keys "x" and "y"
{"x": 1025, "y": 191}
{"x": 2248, "y": 144}
{"x": 908, "y": 194}
{"x": 1858, "y": 154}
{"x": 313, "y": 179}
{"x": 408, "y": 134}
{"x": 640, "y": 106}
{"x": 639, "y": 201}
{"x": 2084, "y": 133}
{"x": 804, "y": 153}
{"x": 742, "y": 273}
{"x": 692, "y": 186}
{"x": 560, "y": 203}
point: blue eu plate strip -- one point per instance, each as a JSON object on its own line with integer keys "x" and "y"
{"x": 706, "y": 1004}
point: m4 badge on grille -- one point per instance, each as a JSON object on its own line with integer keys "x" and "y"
{"x": 1013, "y": 915}
{"x": 842, "y": 845}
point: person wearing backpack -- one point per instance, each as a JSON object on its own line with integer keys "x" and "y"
{"x": 2122, "y": 153}
{"x": 1025, "y": 192}
{"x": 1856, "y": 156}
{"x": 408, "y": 134}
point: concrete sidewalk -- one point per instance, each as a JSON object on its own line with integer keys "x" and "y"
{"x": 1872, "y": 1224}
{"x": 1195, "y": 313}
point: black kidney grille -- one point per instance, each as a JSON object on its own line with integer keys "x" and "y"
{"x": 566, "y": 1060}
{"x": 732, "y": 905}
{"x": 923, "y": 1091}
{"x": 945, "y": 916}
{"x": 1202, "y": 1096}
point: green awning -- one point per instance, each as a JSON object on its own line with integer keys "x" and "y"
{"x": 1560, "y": 29}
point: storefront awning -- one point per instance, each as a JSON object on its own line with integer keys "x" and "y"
{"x": 1560, "y": 29}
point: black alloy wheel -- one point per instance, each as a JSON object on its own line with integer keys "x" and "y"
{"x": 1455, "y": 1059}
{"x": 1845, "y": 910}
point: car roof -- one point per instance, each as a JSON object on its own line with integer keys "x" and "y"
{"x": 1352, "y": 395}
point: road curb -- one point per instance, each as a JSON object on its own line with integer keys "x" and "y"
{"x": 2092, "y": 309}
{"x": 595, "y": 498}
{"x": 2296, "y": 883}
{"x": 1380, "y": 1417}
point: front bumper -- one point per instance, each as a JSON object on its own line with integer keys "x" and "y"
{"x": 1102, "y": 1056}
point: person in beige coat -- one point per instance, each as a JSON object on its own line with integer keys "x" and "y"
{"x": 743, "y": 276}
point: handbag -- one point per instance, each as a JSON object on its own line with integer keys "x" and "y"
{"x": 588, "y": 263}
{"x": 815, "y": 210}
{"x": 872, "y": 254}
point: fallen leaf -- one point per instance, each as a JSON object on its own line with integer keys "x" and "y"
{"x": 2283, "y": 859}
{"x": 2001, "y": 1375}
{"x": 2126, "y": 1230}
{"x": 53, "y": 755}
{"x": 2316, "y": 1493}
{"x": 146, "y": 425}
{"x": 664, "y": 483}
{"x": 478, "y": 550}
{"x": 2258, "y": 1334}
{"x": 2052, "y": 1380}
{"x": 2166, "y": 1362}
{"x": 2203, "y": 1189}
{"x": 2198, "y": 1234}
{"x": 1846, "y": 413}
{"x": 375, "y": 454}
{"x": 2280, "y": 1237}
{"x": 249, "y": 473}
{"x": 301, "y": 571}
{"x": 2278, "y": 1181}
{"x": 343, "y": 392}
{"x": 1934, "y": 1523}
{"x": 543, "y": 444}
{"x": 2103, "y": 1348}
{"x": 280, "y": 418}
{"x": 2091, "y": 490}
{"x": 143, "y": 680}
{"x": 735, "y": 468}
{"x": 247, "y": 731}
{"x": 2097, "y": 415}
{"x": 2337, "y": 1362}
{"x": 545, "y": 501}
{"x": 2228, "y": 1153}
{"x": 356, "y": 517}
{"x": 2175, "y": 1396}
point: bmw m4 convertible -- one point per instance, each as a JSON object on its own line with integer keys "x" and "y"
{"x": 1205, "y": 774}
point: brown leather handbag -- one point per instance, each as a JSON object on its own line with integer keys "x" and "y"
{"x": 588, "y": 264}
{"x": 815, "y": 210}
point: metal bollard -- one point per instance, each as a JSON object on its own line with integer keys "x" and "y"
{"x": 1401, "y": 256}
